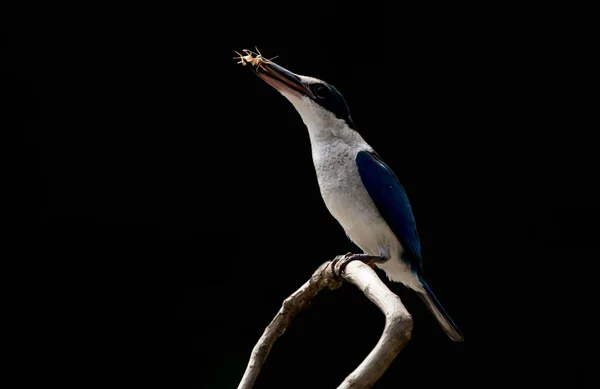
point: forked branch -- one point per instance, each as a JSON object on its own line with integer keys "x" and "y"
{"x": 396, "y": 333}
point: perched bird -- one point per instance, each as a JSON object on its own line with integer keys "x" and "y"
{"x": 359, "y": 189}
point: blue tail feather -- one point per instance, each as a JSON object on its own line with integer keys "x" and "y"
{"x": 439, "y": 312}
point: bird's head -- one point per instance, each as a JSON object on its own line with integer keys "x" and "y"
{"x": 322, "y": 108}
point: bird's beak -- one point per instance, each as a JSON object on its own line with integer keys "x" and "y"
{"x": 282, "y": 79}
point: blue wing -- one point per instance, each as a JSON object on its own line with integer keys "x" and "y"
{"x": 391, "y": 201}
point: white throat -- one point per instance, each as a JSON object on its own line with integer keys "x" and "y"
{"x": 322, "y": 125}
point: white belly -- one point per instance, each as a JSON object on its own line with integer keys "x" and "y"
{"x": 350, "y": 204}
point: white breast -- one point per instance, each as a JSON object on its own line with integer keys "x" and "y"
{"x": 345, "y": 196}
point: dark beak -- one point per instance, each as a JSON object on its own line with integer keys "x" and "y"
{"x": 281, "y": 79}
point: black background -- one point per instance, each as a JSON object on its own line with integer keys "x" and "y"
{"x": 171, "y": 188}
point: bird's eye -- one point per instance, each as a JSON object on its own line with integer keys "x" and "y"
{"x": 321, "y": 91}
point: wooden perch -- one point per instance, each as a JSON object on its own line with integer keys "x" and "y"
{"x": 396, "y": 333}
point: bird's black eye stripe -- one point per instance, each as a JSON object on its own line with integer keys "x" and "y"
{"x": 321, "y": 91}
{"x": 329, "y": 98}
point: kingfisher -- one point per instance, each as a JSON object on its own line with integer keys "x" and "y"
{"x": 359, "y": 189}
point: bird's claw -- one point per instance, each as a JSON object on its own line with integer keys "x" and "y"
{"x": 369, "y": 260}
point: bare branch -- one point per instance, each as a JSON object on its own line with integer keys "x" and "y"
{"x": 396, "y": 333}
{"x": 298, "y": 301}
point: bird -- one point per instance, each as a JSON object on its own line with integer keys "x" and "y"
{"x": 359, "y": 189}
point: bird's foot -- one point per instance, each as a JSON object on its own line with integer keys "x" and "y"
{"x": 369, "y": 260}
